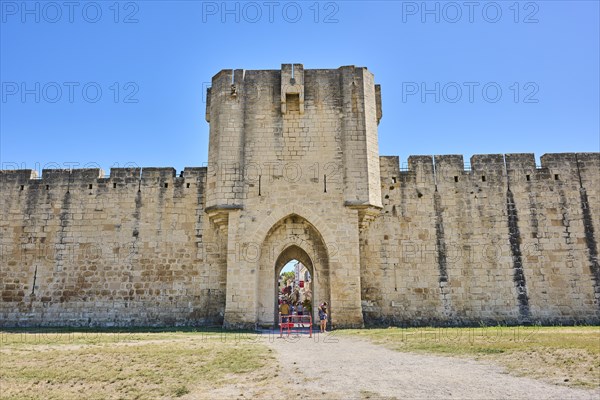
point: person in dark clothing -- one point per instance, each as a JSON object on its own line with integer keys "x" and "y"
{"x": 323, "y": 317}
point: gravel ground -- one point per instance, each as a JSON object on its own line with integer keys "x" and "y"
{"x": 336, "y": 367}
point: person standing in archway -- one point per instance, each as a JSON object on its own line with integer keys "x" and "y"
{"x": 323, "y": 316}
{"x": 284, "y": 310}
{"x": 300, "y": 309}
{"x": 300, "y": 313}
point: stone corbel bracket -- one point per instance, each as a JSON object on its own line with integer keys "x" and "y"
{"x": 219, "y": 215}
{"x": 366, "y": 213}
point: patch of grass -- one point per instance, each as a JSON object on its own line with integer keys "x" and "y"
{"x": 61, "y": 336}
{"x": 562, "y": 355}
{"x": 181, "y": 390}
{"x": 140, "y": 365}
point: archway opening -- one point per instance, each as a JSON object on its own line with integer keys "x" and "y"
{"x": 292, "y": 238}
{"x": 294, "y": 277}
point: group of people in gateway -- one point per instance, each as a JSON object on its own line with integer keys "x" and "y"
{"x": 286, "y": 309}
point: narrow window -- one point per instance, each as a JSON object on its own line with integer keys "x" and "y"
{"x": 47, "y": 187}
{"x": 22, "y": 187}
{"x": 166, "y": 185}
{"x": 528, "y": 178}
{"x": 90, "y": 186}
{"x": 555, "y": 177}
{"x": 259, "y": 184}
{"x": 483, "y": 178}
{"x": 187, "y": 185}
{"x": 114, "y": 185}
{"x": 456, "y": 179}
{"x": 393, "y": 179}
{"x": 325, "y": 183}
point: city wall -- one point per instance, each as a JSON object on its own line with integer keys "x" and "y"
{"x": 505, "y": 242}
{"x": 294, "y": 172}
{"x": 78, "y": 249}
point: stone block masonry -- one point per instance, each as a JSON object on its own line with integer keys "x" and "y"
{"x": 82, "y": 250}
{"x": 294, "y": 172}
{"x": 505, "y": 242}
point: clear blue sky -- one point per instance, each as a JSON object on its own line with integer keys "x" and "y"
{"x": 162, "y": 55}
{"x": 289, "y": 267}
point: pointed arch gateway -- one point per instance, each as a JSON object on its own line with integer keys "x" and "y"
{"x": 291, "y": 238}
{"x": 293, "y": 252}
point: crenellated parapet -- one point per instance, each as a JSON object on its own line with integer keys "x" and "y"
{"x": 17, "y": 176}
{"x": 573, "y": 168}
{"x": 89, "y": 178}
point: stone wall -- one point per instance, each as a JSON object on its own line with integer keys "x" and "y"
{"x": 504, "y": 242}
{"x": 294, "y": 173}
{"x": 79, "y": 249}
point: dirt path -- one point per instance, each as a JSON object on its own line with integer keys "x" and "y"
{"x": 349, "y": 368}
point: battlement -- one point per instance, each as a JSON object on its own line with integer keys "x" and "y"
{"x": 569, "y": 167}
{"x": 88, "y": 177}
{"x": 17, "y": 175}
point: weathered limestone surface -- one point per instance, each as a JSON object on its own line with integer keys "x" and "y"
{"x": 294, "y": 173}
{"x": 505, "y": 242}
{"x": 79, "y": 249}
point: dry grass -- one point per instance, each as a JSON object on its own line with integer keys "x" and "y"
{"x": 148, "y": 365}
{"x": 132, "y": 366}
{"x": 561, "y": 355}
